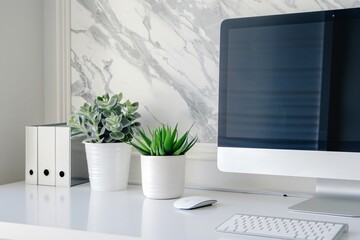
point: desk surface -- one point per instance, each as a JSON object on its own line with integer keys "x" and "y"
{"x": 129, "y": 215}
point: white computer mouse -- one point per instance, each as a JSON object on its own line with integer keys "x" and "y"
{"x": 188, "y": 203}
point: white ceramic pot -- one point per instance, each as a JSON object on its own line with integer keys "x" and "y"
{"x": 108, "y": 165}
{"x": 163, "y": 177}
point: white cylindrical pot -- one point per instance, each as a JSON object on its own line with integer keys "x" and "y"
{"x": 163, "y": 177}
{"x": 108, "y": 165}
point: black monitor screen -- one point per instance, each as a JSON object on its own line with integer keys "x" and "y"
{"x": 291, "y": 81}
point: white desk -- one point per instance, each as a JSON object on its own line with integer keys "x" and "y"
{"x": 26, "y": 209}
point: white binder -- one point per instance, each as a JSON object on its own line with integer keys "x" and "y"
{"x": 31, "y": 155}
{"x": 46, "y": 155}
{"x": 71, "y": 166}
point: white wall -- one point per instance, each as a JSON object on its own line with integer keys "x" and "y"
{"x": 21, "y": 81}
{"x": 49, "y": 24}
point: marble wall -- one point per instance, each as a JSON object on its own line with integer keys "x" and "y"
{"x": 162, "y": 53}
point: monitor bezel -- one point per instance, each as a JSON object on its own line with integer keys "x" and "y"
{"x": 281, "y": 162}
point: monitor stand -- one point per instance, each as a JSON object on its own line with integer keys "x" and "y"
{"x": 333, "y": 197}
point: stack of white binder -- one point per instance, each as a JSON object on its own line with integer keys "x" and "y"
{"x": 53, "y": 157}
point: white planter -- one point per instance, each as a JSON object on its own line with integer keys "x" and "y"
{"x": 163, "y": 177}
{"x": 108, "y": 165}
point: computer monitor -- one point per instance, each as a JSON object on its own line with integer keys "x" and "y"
{"x": 289, "y": 102}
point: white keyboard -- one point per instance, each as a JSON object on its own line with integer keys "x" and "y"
{"x": 282, "y": 228}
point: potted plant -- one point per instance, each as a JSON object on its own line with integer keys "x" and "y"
{"x": 163, "y": 161}
{"x": 108, "y": 126}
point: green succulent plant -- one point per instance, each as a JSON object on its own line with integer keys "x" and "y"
{"x": 107, "y": 120}
{"x": 163, "y": 141}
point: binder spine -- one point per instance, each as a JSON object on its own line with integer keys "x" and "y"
{"x": 31, "y": 155}
{"x": 63, "y": 157}
{"x": 46, "y": 155}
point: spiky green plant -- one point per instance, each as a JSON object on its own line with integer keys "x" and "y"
{"x": 163, "y": 141}
{"x": 107, "y": 120}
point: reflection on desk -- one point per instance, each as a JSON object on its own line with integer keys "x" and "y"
{"x": 128, "y": 214}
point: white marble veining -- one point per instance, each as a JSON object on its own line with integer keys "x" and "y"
{"x": 162, "y": 53}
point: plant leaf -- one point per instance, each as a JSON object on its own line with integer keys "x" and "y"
{"x": 142, "y": 145}
{"x": 141, "y": 150}
{"x": 174, "y": 134}
{"x": 136, "y": 115}
{"x": 143, "y": 135}
{"x": 181, "y": 149}
{"x": 153, "y": 148}
{"x": 168, "y": 143}
{"x": 190, "y": 145}
{"x": 117, "y": 135}
{"x": 163, "y": 134}
{"x": 161, "y": 150}
{"x": 180, "y": 142}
